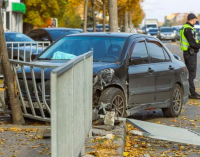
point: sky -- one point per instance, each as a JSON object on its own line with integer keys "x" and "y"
{"x": 158, "y": 9}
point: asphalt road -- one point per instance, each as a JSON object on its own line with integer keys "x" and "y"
{"x": 189, "y": 118}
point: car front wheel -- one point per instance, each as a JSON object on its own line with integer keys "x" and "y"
{"x": 176, "y": 103}
{"x": 115, "y": 100}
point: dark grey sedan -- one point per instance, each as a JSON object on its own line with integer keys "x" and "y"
{"x": 131, "y": 72}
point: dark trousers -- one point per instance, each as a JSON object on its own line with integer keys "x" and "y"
{"x": 191, "y": 63}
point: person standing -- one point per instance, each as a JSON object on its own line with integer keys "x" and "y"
{"x": 190, "y": 46}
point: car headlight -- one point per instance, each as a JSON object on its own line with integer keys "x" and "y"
{"x": 95, "y": 79}
{"x": 149, "y": 34}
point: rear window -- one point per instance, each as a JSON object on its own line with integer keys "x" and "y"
{"x": 153, "y": 30}
{"x": 166, "y": 30}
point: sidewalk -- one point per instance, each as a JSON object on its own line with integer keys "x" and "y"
{"x": 20, "y": 141}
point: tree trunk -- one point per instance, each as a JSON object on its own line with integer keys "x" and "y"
{"x": 125, "y": 21}
{"x": 85, "y": 16}
{"x": 104, "y": 15}
{"x": 113, "y": 16}
{"x": 10, "y": 79}
{"x": 93, "y": 16}
{"x": 121, "y": 24}
{"x": 130, "y": 21}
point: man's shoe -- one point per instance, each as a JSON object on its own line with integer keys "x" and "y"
{"x": 195, "y": 96}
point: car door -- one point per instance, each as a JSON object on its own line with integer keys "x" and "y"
{"x": 163, "y": 68}
{"x": 141, "y": 75}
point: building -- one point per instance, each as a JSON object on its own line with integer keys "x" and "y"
{"x": 13, "y": 15}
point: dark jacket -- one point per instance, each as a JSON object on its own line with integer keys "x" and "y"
{"x": 191, "y": 38}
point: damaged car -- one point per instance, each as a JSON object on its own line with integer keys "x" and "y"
{"x": 131, "y": 72}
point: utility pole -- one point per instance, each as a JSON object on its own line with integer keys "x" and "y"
{"x": 9, "y": 76}
{"x": 113, "y": 15}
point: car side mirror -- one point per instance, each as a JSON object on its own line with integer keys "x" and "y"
{"x": 177, "y": 57}
{"x": 34, "y": 56}
{"x": 135, "y": 61}
{"x": 45, "y": 39}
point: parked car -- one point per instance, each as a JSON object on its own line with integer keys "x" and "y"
{"x": 153, "y": 32}
{"x": 166, "y": 33}
{"x": 51, "y": 34}
{"x": 131, "y": 72}
{"x": 19, "y": 37}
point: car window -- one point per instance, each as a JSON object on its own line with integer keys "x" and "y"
{"x": 43, "y": 36}
{"x": 56, "y": 34}
{"x": 166, "y": 55}
{"x": 140, "y": 51}
{"x": 156, "y": 51}
{"x": 33, "y": 35}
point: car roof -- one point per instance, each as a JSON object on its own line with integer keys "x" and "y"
{"x": 109, "y": 34}
{"x": 53, "y": 29}
{"x": 12, "y": 32}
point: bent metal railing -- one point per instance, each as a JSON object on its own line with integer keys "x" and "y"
{"x": 32, "y": 83}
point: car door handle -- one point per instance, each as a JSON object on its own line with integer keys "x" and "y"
{"x": 150, "y": 70}
{"x": 171, "y": 68}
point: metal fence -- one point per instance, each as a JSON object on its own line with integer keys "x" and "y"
{"x": 22, "y": 51}
{"x": 34, "y": 88}
{"x": 71, "y": 103}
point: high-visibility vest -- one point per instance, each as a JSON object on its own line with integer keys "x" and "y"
{"x": 183, "y": 41}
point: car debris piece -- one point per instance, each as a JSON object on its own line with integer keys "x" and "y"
{"x": 163, "y": 132}
{"x": 109, "y": 118}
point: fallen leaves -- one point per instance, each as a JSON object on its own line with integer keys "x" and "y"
{"x": 105, "y": 147}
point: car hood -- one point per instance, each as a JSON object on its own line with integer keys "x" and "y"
{"x": 97, "y": 67}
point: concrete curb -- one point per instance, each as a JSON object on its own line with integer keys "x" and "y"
{"x": 121, "y": 142}
{"x": 24, "y": 126}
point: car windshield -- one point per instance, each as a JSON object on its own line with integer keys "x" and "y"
{"x": 151, "y": 26}
{"x": 197, "y": 22}
{"x": 153, "y": 30}
{"x": 56, "y": 34}
{"x": 105, "y": 49}
{"x": 166, "y": 30}
{"x": 17, "y": 37}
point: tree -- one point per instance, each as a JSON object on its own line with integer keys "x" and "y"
{"x": 85, "y": 16}
{"x": 10, "y": 79}
{"x": 39, "y": 11}
{"x": 93, "y": 15}
{"x": 113, "y": 15}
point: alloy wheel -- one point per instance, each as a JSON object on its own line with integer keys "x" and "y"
{"x": 177, "y": 101}
{"x": 118, "y": 104}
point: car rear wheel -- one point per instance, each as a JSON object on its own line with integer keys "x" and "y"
{"x": 176, "y": 103}
{"x": 115, "y": 99}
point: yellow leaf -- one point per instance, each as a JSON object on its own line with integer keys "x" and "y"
{"x": 125, "y": 153}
